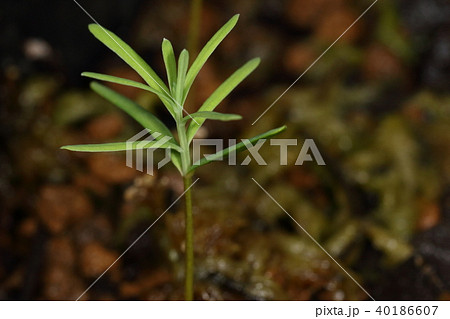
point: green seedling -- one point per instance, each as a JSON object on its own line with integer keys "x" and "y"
{"x": 180, "y": 78}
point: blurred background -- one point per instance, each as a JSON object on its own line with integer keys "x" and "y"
{"x": 377, "y": 105}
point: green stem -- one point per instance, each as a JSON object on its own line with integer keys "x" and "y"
{"x": 185, "y": 153}
{"x": 189, "y": 266}
{"x": 194, "y": 26}
{"x": 189, "y": 227}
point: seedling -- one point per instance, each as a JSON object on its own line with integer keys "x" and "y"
{"x": 180, "y": 78}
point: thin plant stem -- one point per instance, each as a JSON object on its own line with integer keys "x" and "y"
{"x": 185, "y": 154}
{"x": 189, "y": 261}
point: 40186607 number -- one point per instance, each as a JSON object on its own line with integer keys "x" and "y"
{"x": 407, "y": 310}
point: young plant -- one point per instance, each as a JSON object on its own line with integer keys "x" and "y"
{"x": 180, "y": 78}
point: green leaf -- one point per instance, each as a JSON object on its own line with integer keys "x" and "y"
{"x": 236, "y": 148}
{"x": 126, "y": 53}
{"x": 206, "y": 52}
{"x": 145, "y": 118}
{"x": 167, "y": 101}
{"x": 171, "y": 64}
{"x": 122, "y": 81}
{"x": 215, "y": 116}
{"x": 222, "y": 92}
{"x": 183, "y": 63}
{"x": 119, "y": 146}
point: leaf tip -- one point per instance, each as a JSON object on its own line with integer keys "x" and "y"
{"x": 99, "y": 31}
{"x": 256, "y": 61}
{"x": 93, "y": 27}
{"x": 94, "y": 85}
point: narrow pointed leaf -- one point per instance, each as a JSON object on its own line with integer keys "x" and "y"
{"x": 236, "y": 148}
{"x": 214, "y": 116}
{"x": 119, "y": 146}
{"x": 206, "y": 52}
{"x": 167, "y": 101}
{"x": 126, "y": 53}
{"x": 222, "y": 92}
{"x": 170, "y": 63}
{"x": 122, "y": 81}
{"x": 145, "y": 118}
{"x": 183, "y": 63}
